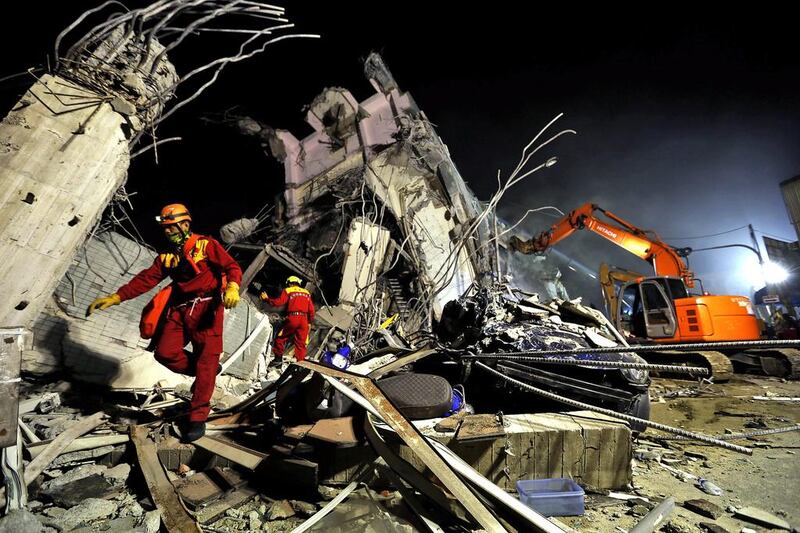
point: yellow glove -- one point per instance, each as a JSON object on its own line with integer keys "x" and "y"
{"x": 103, "y": 303}
{"x": 231, "y": 296}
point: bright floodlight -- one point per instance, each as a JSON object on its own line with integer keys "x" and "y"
{"x": 774, "y": 273}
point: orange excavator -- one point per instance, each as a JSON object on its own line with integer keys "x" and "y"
{"x": 660, "y": 309}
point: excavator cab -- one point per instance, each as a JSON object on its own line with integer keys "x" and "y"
{"x": 646, "y": 310}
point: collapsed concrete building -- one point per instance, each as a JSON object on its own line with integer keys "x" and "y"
{"x": 377, "y": 216}
{"x": 409, "y": 270}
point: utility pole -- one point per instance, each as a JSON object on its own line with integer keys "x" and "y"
{"x": 755, "y": 244}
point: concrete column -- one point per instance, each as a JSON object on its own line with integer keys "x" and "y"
{"x": 61, "y": 159}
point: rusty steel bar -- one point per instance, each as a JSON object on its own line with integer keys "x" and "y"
{"x": 704, "y": 346}
{"x": 677, "y": 369}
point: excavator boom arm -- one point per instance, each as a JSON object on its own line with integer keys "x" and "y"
{"x": 664, "y": 258}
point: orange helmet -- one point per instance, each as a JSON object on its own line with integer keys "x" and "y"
{"x": 172, "y": 214}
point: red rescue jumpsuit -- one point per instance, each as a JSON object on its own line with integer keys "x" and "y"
{"x": 299, "y": 314}
{"x": 194, "y": 313}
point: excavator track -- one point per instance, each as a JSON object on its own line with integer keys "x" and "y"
{"x": 778, "y": 362}
{"x": 718, "y": 364}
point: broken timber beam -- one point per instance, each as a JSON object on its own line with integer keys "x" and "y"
{"x": 231, "y": 451}
{"x": 417, "y": 442}
{"x": 82, "y": 443}
{"x": 175, "y": 517}
{"x": 59, "y": 444}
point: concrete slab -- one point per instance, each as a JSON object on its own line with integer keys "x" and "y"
{"x": 592, "y": 449}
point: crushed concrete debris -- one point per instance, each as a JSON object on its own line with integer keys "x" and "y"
{"x": 152, "y": 521}
{"x": 19, "y": 520}
{"x": 254, "y": 520}
{"x": 710, "y": 527}
{"x": 82, "y": 456}
{"x": 280, "y": 510}
{"x": 75, "y": 474}
{"x": 303, "y": 508}
{"x": 704, "y": 508}
{"x": 93, "y": 486}
{"x": 86, "y": 512}
{"x": 119, "y": 474}
{"x": 386, "y": 233}
{"x": 761, "y": 517}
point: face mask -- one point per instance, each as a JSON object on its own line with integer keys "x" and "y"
{"x": 176, "y": 238}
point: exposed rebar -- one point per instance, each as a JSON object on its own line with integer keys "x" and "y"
{"x": 621, "y": 416}
{"x": 756, "y": 433}
{"x": 700, "y": 346}
{"x": 595, "y": 363}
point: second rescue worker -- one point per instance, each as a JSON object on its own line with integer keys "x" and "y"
{"x": 299, "y": 315}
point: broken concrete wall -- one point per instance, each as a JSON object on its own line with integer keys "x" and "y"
{"x": 54, "y": 183}
{"x": 386, "y": 142}
{"x": 446, "y": 269}
{"x": 106, "y": 348}
{"x": 380, "y": 161}
{"x": 63, "y": 154}
{"x": 365, "y": 261}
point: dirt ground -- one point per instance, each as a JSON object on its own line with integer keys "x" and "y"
{"x": 769, "y": 479}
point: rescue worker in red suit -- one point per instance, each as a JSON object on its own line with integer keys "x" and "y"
{"x": 299, "y": 315}
{"x": 196, "y": 264}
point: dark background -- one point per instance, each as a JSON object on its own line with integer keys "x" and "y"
{"x": 687, "y": 120}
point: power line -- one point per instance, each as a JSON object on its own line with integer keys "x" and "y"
{"x": 724, "y": 233}
{"x": 705, "y": 236}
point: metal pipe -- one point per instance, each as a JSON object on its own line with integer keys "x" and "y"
{"x": 677, "y": 369}
{"x": 621, "y": 416}
{"x": 654, "y": 518}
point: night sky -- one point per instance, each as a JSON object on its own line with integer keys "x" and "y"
{"x": 687, "y": 121}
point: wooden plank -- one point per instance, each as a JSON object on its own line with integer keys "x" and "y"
{"x": 253, "y": 268}
{"x": 297, "y": 432}
{"x": 475, "y": 427}
{"x": 60, "y": 443}
{"x": 199, "y": 489}
{"x": 233, "y": 452}
{"x": 173, "y": 514}
{"x": 82, "y": 443}
{"x": 408, "y": 472}
{"x": 335, "y": 430}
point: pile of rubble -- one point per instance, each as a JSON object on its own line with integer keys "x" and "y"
{"x": 437, "y": 380}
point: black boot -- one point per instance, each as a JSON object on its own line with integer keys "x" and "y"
{"x": 194, "y": 431}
